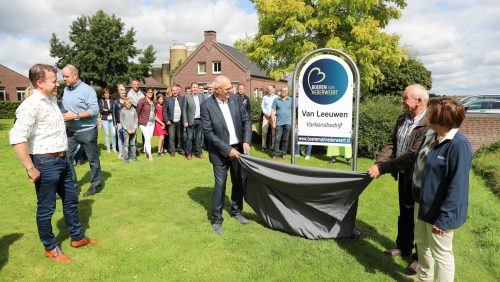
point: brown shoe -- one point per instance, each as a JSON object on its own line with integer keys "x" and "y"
{"x": 83, "y": 242}
{"x": 393, "y": 252}
{"x": 189, "y": 157}
{"x": 412, "y": 267}
{"x": 57, "y": 254}
{"x": 201, "y": 157}
{"x": 172, "y": 154}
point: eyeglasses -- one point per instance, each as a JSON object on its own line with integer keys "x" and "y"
{"x": 405, "y": 98}
{"x": 226, "y": 90}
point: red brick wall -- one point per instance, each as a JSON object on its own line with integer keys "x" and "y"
{"x": 481, "y": 129}
{"x": 11, "y": 81}
{"x": 262, "y": 83}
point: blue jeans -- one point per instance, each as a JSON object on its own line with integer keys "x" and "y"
{"x": 88, "y": 140}
{"x": 109, "y": 131}
{"x": 195, "y": 131}
{"x": 55, "y": 177}
{"x": 282, "y": 130}
{"x": 297, "y": 147}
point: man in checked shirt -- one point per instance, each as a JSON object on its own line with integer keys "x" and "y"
{"x": 40, "y": 143}
{"x": 396, "y": 157}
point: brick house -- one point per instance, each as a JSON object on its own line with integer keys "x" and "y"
{"x": 12, "y": 84}
{"x": 212, "y": 58}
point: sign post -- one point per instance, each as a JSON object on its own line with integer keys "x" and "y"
{"x": 324, "y": 82}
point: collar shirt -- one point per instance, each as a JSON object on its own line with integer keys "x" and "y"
{"x": 404, "y": 131}
{"x": 177, "y": 110}
{"x": 283, "y": 110}
{"x": 135, "y": 96}
{"x": 40, "y": 124}
{"x": 224, "y": 107}
{"x": 196, "y": 98}
{"x": 77, "y": 99}
{"x": 267, "y": 103}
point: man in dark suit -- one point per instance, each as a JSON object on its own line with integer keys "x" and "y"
{"x": 192, "y": 121}
{"x": 227, "y": 128}
{"x": 172, "y": 114}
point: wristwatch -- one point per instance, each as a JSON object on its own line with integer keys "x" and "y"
{"x": 77, "y": 116}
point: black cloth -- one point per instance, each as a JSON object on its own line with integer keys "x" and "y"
{"x": 315, "y": 203}
{"x": 217, "y": 134}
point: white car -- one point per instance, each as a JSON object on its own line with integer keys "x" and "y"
{"x": 483, "y": 106}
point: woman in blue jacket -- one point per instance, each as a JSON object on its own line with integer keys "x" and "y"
{"x": 441, "y": 189}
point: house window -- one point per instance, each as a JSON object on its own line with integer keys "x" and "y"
{"x": 2, "y": 95}
{"x": 216, "y": 67}
{"x": 20, "y": 95}
{"x": 202, "y": 68}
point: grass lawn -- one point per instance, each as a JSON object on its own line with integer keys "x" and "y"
{"x": 152, "y": 218}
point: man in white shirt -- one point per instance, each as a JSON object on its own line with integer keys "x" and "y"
{"x": 267, "y": 103}
{"x": 40, "y": 143}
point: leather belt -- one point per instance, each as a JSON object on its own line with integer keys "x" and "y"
{"x": 58, "y": 154}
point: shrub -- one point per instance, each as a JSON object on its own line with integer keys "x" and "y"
{"x": 377, "y": 119}
{"x": 8, "y": 109}
{"x": 256, "y": 110}
{"x": 485, "y": 163}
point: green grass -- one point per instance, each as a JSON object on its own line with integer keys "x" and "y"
{"x": 152, "y": 218}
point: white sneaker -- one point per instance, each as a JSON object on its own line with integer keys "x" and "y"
{"x": 120, "y": 156}
{"x": 108, "y": 150}
{"x": 308, "y": 157}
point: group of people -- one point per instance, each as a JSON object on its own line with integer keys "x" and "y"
{"x": 426, "y": 153}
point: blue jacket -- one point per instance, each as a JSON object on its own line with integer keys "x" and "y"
{"x": 445, "y": 183}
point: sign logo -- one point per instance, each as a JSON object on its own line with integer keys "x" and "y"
{"x": 325, "y": 80}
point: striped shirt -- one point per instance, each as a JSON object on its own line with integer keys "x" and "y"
{"x": 404, "y": 136}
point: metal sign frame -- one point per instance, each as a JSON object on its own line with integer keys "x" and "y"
{"x": 356, "y": 79}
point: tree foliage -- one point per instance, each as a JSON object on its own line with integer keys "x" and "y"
{"x": 396, "y": 79}
{"x": 103, "y": 50}
{"x": 289, "y": 29}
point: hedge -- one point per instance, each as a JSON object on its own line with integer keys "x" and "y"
{"x": 485, "y": 163}
{"x": 8, "y": 109}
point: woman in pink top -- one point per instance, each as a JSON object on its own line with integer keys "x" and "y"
{"x": 160, "y": 124}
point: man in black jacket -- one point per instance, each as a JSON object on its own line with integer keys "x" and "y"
{"x": 172, "y": 114}
{"x": 227, "y": 128}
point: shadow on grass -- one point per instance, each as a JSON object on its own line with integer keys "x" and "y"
{"x": 5, "y": 243}
{"x": 368, "y": 255}
{"x": 85, "y": 180}
{"x": 84, "y": 211}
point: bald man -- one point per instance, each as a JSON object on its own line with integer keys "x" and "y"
{"x": 227, "y": 128}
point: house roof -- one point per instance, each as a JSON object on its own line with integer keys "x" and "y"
{"x": 242, "y": 59}
{"x": 153, "y": 83}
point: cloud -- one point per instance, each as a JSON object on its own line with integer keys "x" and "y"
{"x": 456, "y": 40}
{"x": 25, "y": 28}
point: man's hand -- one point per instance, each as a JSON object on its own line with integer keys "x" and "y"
{"x": 437, "y": 230}
{"x": 246, "y": 148}
{"x": 374, "y": 171}
{"x": 186, "y": 125}
{"x": 234, "y": 154}
{"x": 33, "y": 174}
{"x": 273, "y": 125}
{"x": 69, "y": 116}
{"x": 168, "y": 122}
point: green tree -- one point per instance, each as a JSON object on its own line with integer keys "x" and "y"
{"x": 396, "y": 79}
{"x": 103, "y": 51}
{"x": 289, "y": 29}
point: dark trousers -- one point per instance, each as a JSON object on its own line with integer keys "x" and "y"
{"x": 194, "y": 131}
{"x": 175, "y": 130}
{"x": 55, "y": 177}
{"x": 406, "y": 223}
{"x": 219, "y": 193}
{"x": 88, "y": 141}
{"x": 129, "y": 148}
{"x": 282, "y": 131}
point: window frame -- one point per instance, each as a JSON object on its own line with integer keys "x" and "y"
{"x": 199, "y": 65}
{"x": 214, "y": 63}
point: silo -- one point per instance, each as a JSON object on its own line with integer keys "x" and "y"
{"x": 191, "y": 46}
{"x": 178, "y": 54}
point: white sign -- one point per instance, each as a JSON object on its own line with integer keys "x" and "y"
{"x": 325, "y": 101}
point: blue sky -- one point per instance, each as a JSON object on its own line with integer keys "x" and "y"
{"x": 457, "y": 40}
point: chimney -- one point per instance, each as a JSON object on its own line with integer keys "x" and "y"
{"x": 210, "y": 35}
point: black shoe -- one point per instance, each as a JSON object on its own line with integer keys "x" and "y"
{"x": 241, "y": 219}
{"x": 91, "y": 191}
{"x": 332, "y": 161}
{"x": 217, "y": 227}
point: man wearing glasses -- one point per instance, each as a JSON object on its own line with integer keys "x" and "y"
{"x": 227, "y": 128}
{"x": 396, "y": 157}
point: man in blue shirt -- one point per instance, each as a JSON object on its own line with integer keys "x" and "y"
{"x": 281, "y": 118}
{"x": 80, "y": 114}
